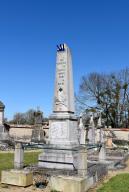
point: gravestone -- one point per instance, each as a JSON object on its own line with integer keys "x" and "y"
{"x": 102, "y": 152}
{"x": 82, "y": 132}
{"x": 2, "y": 106}
{"x": 91, "y": 133}
{"x": 100, "y": 127}
{"x": 63, "y": 150}
{"x": 38, "y": 116}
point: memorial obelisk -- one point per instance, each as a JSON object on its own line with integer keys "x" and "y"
{"x": 63, "y": 126}
{"x": 63, "y": 123}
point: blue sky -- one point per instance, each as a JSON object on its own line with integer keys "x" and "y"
{"x": 97, "y": 31}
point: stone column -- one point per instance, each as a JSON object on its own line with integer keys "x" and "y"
{"x": 82, "y": 162}
{"x": 18, "y": 156}
{"x": 102, "y": 153}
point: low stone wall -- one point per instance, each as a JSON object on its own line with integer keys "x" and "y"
{"x": 21, "y": 134}
{"x": 27, "y": 133}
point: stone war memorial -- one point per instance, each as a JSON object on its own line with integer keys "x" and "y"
{"x": 63, "y": 149}
{"x": 74, "y": 155}
{"x": 63, "y": 124}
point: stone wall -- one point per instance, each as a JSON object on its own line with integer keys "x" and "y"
{"x": 27, "y": 133}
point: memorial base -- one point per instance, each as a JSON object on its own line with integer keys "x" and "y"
{"x": 17, "y": 177}
{"x": 61, "y": 151}
{"x": 69, "y": 184}
{"x": 59, "y": 159}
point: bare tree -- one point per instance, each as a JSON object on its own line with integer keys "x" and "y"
{"x": 108, "y": 93}
{"x": 25, "y": 118}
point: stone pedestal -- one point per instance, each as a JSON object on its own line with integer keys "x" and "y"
{"x": 61, "y": 152}
{"x": 63, "y": 130}
{"x": 59, "y": 158}
{"x": 17, "y": 177}
{"x": 68, "y": 184}
{"x": 74, "y": 158}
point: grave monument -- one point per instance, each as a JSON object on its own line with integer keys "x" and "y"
{"x": 63, "y": 122}
{"x": 2, "y": 107}
{"x": 91, "y": 133}
{"x": 63, "y": 149}
{"x": 82, "y": 132}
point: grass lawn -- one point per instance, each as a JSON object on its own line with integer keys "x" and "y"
{"x": 6, "y": 159}
{"x": 119, "y": 183}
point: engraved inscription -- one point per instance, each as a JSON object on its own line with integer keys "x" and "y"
{"x": 59, "y": 130}
{"x": 60, "y": 98}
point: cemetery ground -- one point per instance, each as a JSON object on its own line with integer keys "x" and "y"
{"x": 115, "y": 181}
{"x": 7, "y": 158}
{"x": 6, "y": 162}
